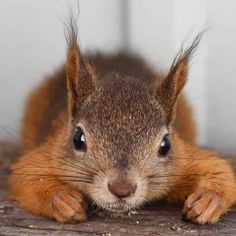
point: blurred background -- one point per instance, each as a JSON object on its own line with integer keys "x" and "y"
{"x": 32, "y": 45}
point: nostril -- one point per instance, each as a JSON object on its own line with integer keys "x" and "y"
{"x": 121, "y": 189}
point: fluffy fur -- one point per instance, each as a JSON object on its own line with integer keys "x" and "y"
{"x": 124, "y": 109}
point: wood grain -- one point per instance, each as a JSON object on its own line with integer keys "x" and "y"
{"x": 157, "y": 219}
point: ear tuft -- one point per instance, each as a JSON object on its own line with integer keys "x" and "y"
{"x": 80, "y": 75}
{"x": 171, "y": 86}
{"x": 71, "y": 26}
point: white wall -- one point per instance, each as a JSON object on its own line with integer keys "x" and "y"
{"x": 222, "y": 75}
{"x": 32, "y": 44}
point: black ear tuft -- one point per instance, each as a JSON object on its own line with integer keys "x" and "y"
{"x": 185, "y": 55}
{"x": 71, "y": 26}
{"x": 171, "y": 86}
{"x": 80, "y": 75}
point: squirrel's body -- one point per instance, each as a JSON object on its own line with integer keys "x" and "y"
{"x": 111, "y": 129}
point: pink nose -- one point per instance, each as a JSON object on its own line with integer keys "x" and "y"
{"x": 121, "y": 189}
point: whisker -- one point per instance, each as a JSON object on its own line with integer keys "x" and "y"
{"x": 46, "y": 175}
{"x": 160, "y": 179}
{"x": 4, "y": 128}
{"x": 50, "y": 167}
{"x": 62, "y": 151}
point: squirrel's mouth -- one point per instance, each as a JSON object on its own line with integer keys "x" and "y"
{"x": 118, "y": 206}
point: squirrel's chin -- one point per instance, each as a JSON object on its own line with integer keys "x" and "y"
{"x": 117, "y": 206}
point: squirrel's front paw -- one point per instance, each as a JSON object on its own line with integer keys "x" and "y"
{"x": 203, "y": 207}
{"x": 68, "y": 205}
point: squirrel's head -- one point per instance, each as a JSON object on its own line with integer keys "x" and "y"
{"x": 119, "y": 131}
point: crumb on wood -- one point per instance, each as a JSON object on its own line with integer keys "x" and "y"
{"x": 32, "y": 226}
{"x": 175, "y": 228}
{"x": 104, "y": 213}
{"x": 130, "y": 213}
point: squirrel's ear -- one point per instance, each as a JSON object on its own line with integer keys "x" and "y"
{"x": 80, "y": 78}
{"x": 170, "y": 87}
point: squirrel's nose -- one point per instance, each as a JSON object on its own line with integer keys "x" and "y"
{"x": 121, "y": 189}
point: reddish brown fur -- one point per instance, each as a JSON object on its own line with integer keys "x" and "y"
{"x": 200, "y": 178}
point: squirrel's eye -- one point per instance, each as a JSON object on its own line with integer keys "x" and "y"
{"x": 79, "y": 140}
{"x": 164, "y": 146}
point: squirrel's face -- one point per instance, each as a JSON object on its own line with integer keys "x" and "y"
{"x": 120, "y": 134}
{"x": 119, "y": 131}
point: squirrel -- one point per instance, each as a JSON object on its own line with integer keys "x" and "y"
{"x": 109, "y": 130}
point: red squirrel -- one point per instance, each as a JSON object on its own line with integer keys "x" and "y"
{"x": 110, "y": 129}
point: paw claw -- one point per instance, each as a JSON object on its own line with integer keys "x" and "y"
{"x": 68, "y": 206}
{"x": 203, "y": 206}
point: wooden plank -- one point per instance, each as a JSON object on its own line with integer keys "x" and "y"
{"x": 156, "y": 219}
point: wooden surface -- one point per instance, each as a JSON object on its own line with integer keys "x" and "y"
{"x": 153, "y": 220}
